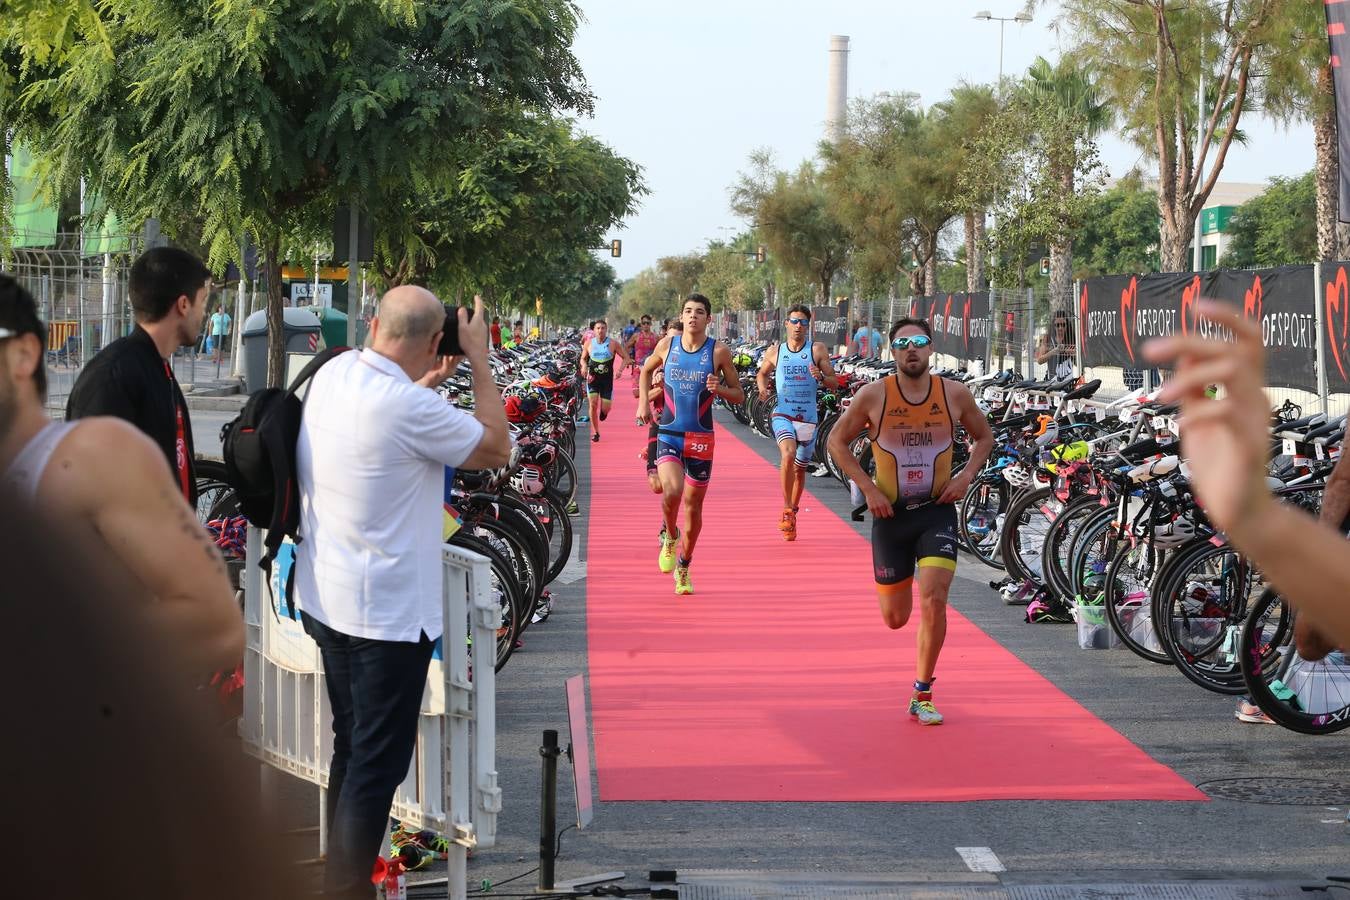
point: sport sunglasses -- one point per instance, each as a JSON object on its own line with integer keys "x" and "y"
{"x": 918, "y": 342}
{"x": 796, "y": 321}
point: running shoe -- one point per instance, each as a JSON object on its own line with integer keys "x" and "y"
{"x": 922, "y": 709}
{"x": 414, "y": 857}
{"x": 666, "y": 560}
{"x": 1251, "y": 713}
{"x": 595, "y": 437}
{"x": 426, "y": 839}
{"x": 682, "y": 583}
{"x": 788, "y": 525}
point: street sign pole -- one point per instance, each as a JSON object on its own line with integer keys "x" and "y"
{"x": 353, "y": 257}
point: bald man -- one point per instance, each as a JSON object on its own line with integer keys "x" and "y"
{"x": 375, "y": 440}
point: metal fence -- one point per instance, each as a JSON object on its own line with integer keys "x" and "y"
{"x": 83, "y": 298}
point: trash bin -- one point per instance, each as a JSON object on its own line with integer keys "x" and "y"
{"x": 304, "y": 334}
{"x": 334, "y": 322}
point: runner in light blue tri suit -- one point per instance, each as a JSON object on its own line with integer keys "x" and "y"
{"x": 798, "y": 366}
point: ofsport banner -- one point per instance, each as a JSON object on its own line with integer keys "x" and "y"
{"x": 827, "y": 327}
{"x": 1121, "y": 312}
{"x": 1334, "y": 295}
{"x": 960, "y": 322}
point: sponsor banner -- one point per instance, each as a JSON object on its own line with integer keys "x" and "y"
{"x": 1119, "y": 313}
{"x": 960, "y": 322}
{"x": 766, "y": 325}
{"x": 1338, "y": 39}
{"x": 827, "y": 327}
{"x": 1334, "y": 295}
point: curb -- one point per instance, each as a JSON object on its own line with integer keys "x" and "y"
{"x": 233, "y": 402}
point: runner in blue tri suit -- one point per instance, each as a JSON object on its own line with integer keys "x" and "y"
{"x": 600, "y": 356}
{"x": 697, "y": 370}
{"x": 797, "y": 366}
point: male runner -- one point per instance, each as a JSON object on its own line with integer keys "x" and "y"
{"x": 656, "y": 401}
{"x": 599, "y": 357}
{"x": 796, "y": 366}
{"x": 695, "y": 369}
{"x": 910, "y": 417}
{"x": 640, "y": 346}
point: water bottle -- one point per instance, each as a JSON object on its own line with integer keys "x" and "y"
{"x": 855, "y": 494}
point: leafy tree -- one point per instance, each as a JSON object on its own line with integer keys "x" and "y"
{"x": 792, "y": 212}
{"x": 967, "y": 113}
{"x": 1277, "y": 228}
{"x": 262, "y": 116}
{"x": 1119, "y": 232}
{"x": 647, "y": 293}
{"x": 1149, "y": 54}
{"x": 682, "y": 272}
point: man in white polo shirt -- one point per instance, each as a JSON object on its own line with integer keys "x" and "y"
{"x": 374, "y": 442}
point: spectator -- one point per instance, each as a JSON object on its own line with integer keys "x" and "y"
{"x": 132, "y": 378}
{"x": 629, "y": 330}
{"x": 108, "y": 478}
{"x": 534, "y": 333}
{"x": 220, "y": 331}
{"x": 866, "y": 341}
{"x": 1302, "y": 558}
{"x": 518, "y": 332}
{"x": 374, "y": 443}
{"x": 496, "y": 333}
{"x": 1058, "y": 349}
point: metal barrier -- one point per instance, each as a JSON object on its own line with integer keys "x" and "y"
{"x": 451, "y": 786}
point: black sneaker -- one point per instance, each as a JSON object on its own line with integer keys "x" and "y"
{"x": 595, "y": 437}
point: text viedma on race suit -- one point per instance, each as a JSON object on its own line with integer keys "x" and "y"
{"x": 1121, "y": 312}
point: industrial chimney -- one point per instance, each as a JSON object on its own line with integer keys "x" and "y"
{"x": 836, "y": 98}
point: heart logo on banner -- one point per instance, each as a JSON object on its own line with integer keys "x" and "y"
{"x": 1338, "y": 304}
{"x": 965, "y": 324}
{"x": 1251, "y": 301}
{"x": 1190, "y": 306}
{"x": 947, "y": 316}
{"x": 1129, "y": 303}
{"x": 1083, "y": 312}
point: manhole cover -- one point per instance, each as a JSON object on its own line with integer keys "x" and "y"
{"x": 1282, "y": 791}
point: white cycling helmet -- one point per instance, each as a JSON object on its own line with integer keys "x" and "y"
{"x": 1170, "y": 535}
{"x": 1017, "y": 476}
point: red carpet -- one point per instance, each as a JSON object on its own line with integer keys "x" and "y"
{"x": 778, "y": 681}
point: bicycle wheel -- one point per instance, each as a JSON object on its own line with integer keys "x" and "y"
{"x": 981, "y": 518}
{"x": 1058, "y": 540}
{"x": 1093, "y": 548}
{"x": 502, "y": 588}
{"x": 1199, "y": 608}
{"x": 1301, "y": 695}
{"x": 1022, "y": 539}
{"x": 562, "y": 476}
{"x": 553, "y": 511}
{"x": 215, "y": 498}
{"x": 526, "y": 578}
{"x": 1127, "y": 597}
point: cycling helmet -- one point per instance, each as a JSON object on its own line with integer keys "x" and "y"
{"x": 529, "y": 480}
{"x": 1017, "y": 476}
{"x": 1170, "y": 535}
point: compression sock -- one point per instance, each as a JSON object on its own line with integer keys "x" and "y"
{"x": 923, "y": 687}
{"x": 682, "y": 562}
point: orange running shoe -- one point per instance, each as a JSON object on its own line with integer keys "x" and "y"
{"x": 788, "y": 525}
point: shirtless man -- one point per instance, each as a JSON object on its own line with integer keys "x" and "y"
{"x": 108, "y": 479}
{"x": 697, "y": 369}
{"x": 796, "y": 367}
{"x": 911, "y": 417}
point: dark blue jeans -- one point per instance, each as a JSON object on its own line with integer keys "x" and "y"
{"x": 375, "y": 690}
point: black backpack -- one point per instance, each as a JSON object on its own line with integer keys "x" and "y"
{"x": 259, "y": 450}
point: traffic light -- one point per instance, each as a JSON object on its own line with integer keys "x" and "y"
{"x": 616, "y": 247}
{"x": 760, "y": 255}
{"x": 1045, "y": 266}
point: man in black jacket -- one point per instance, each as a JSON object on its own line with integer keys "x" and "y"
{"x": 132, "y": 377}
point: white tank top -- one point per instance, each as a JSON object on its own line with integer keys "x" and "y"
{"x": 24, "y": 474}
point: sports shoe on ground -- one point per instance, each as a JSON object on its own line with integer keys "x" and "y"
{"x": 682, "y": 583}
{"x": 595, "y": 437}
{"x": 1251, "y": 713}
{"x": 788, "y": 525}
{"x": 427, "y": 840}
{"x": 922, "y": 709}
{"x": 666, "y": 559}
{"x": 414, "y": 857}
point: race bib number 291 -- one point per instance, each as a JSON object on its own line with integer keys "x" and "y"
{"x": 698, "y": 445}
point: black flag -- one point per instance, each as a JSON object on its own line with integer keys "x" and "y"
{"x": 1338, "y": 16}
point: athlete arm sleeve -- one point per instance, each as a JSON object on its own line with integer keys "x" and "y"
{"x": 441, "y": 432}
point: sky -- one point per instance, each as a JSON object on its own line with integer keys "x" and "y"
{"x": 689, "y": 89}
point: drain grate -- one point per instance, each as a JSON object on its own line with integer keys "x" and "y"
{"x": 1279, "y": 791}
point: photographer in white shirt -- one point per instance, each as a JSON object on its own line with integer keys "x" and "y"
{"x": 375, "y": 439}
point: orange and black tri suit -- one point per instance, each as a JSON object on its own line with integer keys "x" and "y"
{"x": 913, "y": 448}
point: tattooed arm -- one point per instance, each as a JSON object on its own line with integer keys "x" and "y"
{"x": 110, "y": 476}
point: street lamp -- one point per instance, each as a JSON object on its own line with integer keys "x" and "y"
{"x": 1021, "y": 18}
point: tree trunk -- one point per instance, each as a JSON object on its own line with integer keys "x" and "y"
{"x": 1061, "y": 275}
{"x": 1327, "y": 166}
{"x": 975, "y": 250}
{"x": 276, "y": 331}
{"x": 1174, "y": 238}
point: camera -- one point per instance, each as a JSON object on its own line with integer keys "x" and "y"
{"x": 449, "y": 345}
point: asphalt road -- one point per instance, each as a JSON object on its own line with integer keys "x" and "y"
{"x": 1192, "y": 731}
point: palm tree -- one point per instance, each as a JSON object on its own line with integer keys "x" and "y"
{"x": 966, "y": 113}
{"x": 1069, "y": 93}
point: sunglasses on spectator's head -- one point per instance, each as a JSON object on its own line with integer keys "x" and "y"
{"x": 796, "y": 321}
{"x": 8, "y": 333}
{"x": 918, "y": 342}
